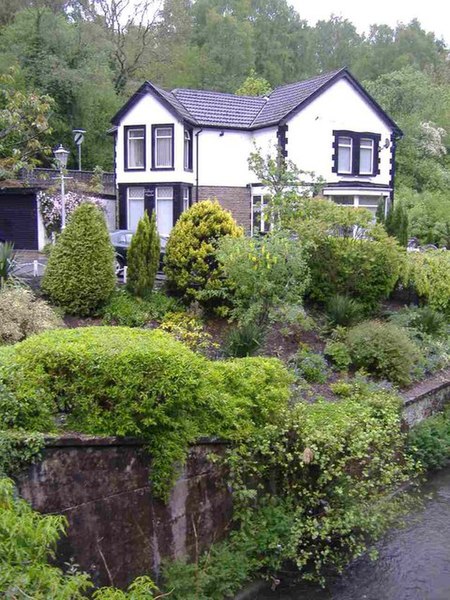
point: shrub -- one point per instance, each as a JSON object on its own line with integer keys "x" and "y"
{"x": 190, "y": 263}
{"x": 80, "y": 273}
{"x": 25, "y": 571}
{"x": 22, "y": 314}
{"x": 189, "y": 330}
{"x": 429, "y": 441}
{"x": 244, "y": 340}
{"x": 421, "y": 320}
{"x": 266, "y": 274}
{"x": 429, "y": 274}
{"x": 343, "y": 310}
{"x": 339, "y": 354}
{"x": 121, "y": 381}
{"x": 143, "y": 257}
{"x": 130, "y": 311}
{"x": 383, "y": 350}
{"x": 7, "y": 262}
{"x": 311, "y": 366}
{"x": 366, "y": 269}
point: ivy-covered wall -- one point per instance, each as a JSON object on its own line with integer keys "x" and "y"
{"x": 117, "y": 529}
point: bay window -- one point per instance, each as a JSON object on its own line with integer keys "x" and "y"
{"x": 162, "y": 146}
{"x": 134, "y": 148}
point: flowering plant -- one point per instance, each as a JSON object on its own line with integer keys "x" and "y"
{"x": 51, "y": 207}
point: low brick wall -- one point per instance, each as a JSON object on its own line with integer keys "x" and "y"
{"x": 117, "y": 529}
{"x": 235, "y": 199}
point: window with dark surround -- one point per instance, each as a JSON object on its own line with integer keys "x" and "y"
{"x": 188, "y": 150}
{"x": 134, "y": 150}
{"x": 356, "y": 153}
{"x": 162, "y": 147}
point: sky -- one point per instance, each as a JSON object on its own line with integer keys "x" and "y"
{"x": 434, "y": 15}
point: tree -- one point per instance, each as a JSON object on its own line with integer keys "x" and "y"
{"x": 143, "y": 257}
{"x": 396, "y": 223}
{"x": 24, "y": 125}
{"x": 254, "y": 85}
{"x": 80, "y": 273}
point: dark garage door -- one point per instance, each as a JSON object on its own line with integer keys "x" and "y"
{"x": 18, "y": 218}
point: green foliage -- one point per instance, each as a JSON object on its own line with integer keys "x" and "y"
{"x": 429, "y": 441}
{"x": 421, "y": 320}
{"x": 190, "y": 264}
{"x": 130, "y": 311}
{"x": 254, "y": 85}
{"x": 366, "y": 269}
{"x": 310, "y": 366}
{"x": 339, "y": 354}
{"x": 143, "y": 257}
{"x": 142, "y": 588}
{"x": 265, "y": 273}
{"x": 80, "y": 273}
{"x": 22, "y": 314}
{"x": 18, "y": 449}
{"x": 397, "y": 223}
{"x": 428, "y": 214}
{"x": 331, "y": 468}
{"x": 428, "y": 273}
{"x": 244, "y": 340}
{"x": 7, "y": 262}
{"x": 24, "y": 568}
{"x": 189, "y": 329}
{"x": 343, "y": 310}
{"x": 120, "y": 381}
{"x": 384, "y": 350}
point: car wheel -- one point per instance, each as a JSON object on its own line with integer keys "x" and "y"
{"x": 119, "y": 265}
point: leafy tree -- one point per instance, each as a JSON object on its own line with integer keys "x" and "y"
{"x": 428, "y": 214}
{"x": 143, "y": 257}
{"x": 80, "y": 273}
{"x": 254, "y": 86}
{"x": 396, "y": 223}
{"x": 24, "y": 125}
{"x": 336, "y": 43}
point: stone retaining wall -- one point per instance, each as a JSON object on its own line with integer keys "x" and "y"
{"x": 117, "y": 528}
{"x": 426, "y": 398}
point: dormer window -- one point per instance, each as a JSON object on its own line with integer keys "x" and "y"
{"x": 162, "y": 155}
{"x": 356, "y": 153}
{"x": 188, "y": 149}
{"x": 134, "y": 148}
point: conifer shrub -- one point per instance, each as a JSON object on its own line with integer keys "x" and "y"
{"x": 191, "y": 267}
{"x": 142, "y": 383}
{"x": 384, "y": 350}
{"x": 143, "y": 257}
{"x": 80, "y": 273}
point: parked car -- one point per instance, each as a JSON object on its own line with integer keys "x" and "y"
{"x": 121, "y": 240}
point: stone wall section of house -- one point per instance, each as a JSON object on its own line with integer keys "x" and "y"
{"x": 235, "y": 199}
{"x": 117, "y": 529}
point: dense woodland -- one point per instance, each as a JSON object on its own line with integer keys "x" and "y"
{"x": 68, "y": 64}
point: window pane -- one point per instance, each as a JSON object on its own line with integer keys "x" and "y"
{"x": 136, "y": 144}
{"x": 345, "y": 155}
{"x": 164, "y": 193}
{"x": 136, "y": 192}
{"x": 369, "y": 201}
{"x": 256, "y": 216}
{"x": 164, "y": 132}
{"x": 163, "y": 152}
{"x": 164, "y": 216}
{"x": 345, "y": 200}
{"x": 366, "y": 156}
{"x": 135, "y": 212}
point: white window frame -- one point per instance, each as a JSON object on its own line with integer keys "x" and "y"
{"x": 158, "y": 136}
{"x": 185, "y": 198}
{"x": 157, "y": 197}
{"x": 134, "y": 187}
{"x": 370, "y": 146}
{"x": 264, "y": 225}
{"x": 129, "y": 139}
{"x": 340, "y": 144}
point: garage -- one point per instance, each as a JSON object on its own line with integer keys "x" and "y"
{"x": 19, "y": 217}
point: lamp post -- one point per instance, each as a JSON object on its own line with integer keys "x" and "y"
{"x": 61, "y": 155}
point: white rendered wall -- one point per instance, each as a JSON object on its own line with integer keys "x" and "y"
{"x": 149, "y": 111}
{"x": 310, "y": 132}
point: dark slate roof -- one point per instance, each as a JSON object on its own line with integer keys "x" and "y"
{"x": 220, "y": 109}
{"x": 217, "y": 109}
{"x": 289, "y": 97}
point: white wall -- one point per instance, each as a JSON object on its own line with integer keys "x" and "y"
{"x": 149, "y": 111}
{"x": 310, "y": 132}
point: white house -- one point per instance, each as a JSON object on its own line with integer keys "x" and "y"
{"x": 175, "y": 148}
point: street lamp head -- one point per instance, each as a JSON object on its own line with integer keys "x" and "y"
{"x": 61, "y": 155}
